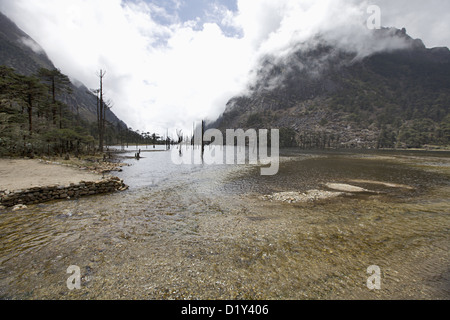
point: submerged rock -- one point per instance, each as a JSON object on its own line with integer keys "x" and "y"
{"x": 386, "y": 184}
{"x": 345, "y": 188}
{"x": 19, "y": 207}
{"x": 339, "y": 189}
{"x": 298, "y": 197}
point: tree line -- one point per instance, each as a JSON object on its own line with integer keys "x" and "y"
{"x": 34, "y": 120}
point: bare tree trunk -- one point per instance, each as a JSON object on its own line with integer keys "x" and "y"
{"x": 98, "y": 112}
{"x": 30, "y": 115}
{"x": 54, "y": 100}
{"x": 60, "y": 115}
{"x": 203, "y": 141}
{"x": 101, "y": 113}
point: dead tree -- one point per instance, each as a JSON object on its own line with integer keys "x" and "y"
{"x": 203, "y": 141}
{"x": 180, "y": 139}
{"x": 101, "y": 124}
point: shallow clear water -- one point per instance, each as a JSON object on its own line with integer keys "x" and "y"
{"x": 203, "y": 232}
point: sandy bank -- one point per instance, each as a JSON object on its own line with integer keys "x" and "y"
{"x": 23, "y": 174}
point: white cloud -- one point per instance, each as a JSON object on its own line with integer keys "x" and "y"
{"x": 32, "y": 45}
{"x": 165, "y": 73}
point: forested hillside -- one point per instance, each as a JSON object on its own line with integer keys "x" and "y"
{"x": 323, "y": 97}
{"x": 43, "y": 112}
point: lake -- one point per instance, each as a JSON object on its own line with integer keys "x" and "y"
{"x": 208, "y": 232}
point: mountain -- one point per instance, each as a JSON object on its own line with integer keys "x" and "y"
{"x": 322, "y": 96}
{"x": 21, "y": 52}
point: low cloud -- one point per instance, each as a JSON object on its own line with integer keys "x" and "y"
{"x": 32, "y": 45}
{"x": 165, "y": 73}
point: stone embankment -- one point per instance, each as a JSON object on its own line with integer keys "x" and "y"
{"x": 42, "y": 194}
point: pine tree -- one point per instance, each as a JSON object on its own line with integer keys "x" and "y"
{"x": 30, "y": 91}
{"x": 58, "y": 83}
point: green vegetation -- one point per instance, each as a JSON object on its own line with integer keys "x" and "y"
{"x": 399, "y": 99}
{"x": 407, "y": 101}
{"x": 34, "y": 122}
{"x": 254, "y": 119}
{"x": 287, "y": 138}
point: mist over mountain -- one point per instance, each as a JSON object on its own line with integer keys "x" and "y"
{"x": 382, "y": 90}
{"x": 335, "y": 85}
{"x": 21, "y": 52}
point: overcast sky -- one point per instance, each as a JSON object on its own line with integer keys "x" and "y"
{"x": 172, "y": 62}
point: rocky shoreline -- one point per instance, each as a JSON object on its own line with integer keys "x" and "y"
{"x": 92, "y": 165}
{"x": 38, "y": 195}
{"x": 28, "y": 182}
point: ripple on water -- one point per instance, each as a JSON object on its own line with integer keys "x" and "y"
{"x": 204, "y": 233}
